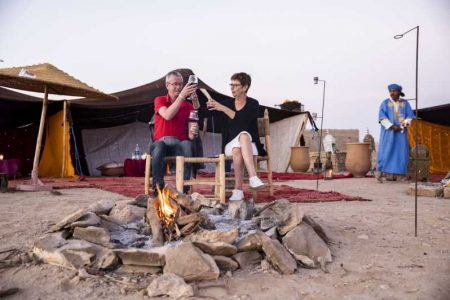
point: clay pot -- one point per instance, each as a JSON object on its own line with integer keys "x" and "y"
{"x": 357, "y": 161}
{"x": 299, "y": 159}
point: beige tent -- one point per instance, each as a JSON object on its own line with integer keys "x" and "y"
{"x": 45, "y": 78}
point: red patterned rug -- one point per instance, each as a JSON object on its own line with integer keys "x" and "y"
{"x": 133, "y": 186}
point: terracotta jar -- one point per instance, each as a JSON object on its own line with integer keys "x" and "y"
{"x": 299, "y": 159}
{"x": 357, "y": 161}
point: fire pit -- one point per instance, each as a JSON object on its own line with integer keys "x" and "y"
{"x": 189, "y": 237}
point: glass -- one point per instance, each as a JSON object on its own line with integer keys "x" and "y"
{"x": 175, "y": 83}
{"x": 233, "y": 85}
{"x": 193, "y": 119}
{"x": 192, "y": 79}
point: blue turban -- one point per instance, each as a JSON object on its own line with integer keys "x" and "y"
{"x": 396, "y": 87}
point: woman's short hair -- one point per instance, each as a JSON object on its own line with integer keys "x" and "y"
{"x": 243, "y": 79}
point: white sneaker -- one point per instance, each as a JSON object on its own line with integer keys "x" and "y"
{"x": 255, "y": 183}
{"x": 237, "y": 195}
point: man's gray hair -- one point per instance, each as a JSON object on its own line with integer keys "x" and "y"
{"x": 173, "y": 73}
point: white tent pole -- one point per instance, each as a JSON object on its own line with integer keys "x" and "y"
{"x": 64, "y": 143}
{"x": 34, "y": 173}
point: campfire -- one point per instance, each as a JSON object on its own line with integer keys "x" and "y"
{"x": 171, "y": 215}
{"x": 191, "y": 236}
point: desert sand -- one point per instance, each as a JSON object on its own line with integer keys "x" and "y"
{"x": 375, "y": 252}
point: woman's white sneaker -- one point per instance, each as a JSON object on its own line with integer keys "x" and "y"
{"x": 237, "y": 195}
{"x": 255, "y": 183}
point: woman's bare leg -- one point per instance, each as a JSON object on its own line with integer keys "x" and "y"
{"x": 238, "y": 165}
{"x": 247, "y": 154}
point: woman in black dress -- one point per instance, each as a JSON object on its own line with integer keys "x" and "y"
{"x": 240, "y": 136}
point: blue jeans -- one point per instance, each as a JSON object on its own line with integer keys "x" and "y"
{"x": 169, "y": 146}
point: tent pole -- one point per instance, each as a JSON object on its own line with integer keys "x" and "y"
{"x": 34, "y": 173}
{"x": 64, "y": 144}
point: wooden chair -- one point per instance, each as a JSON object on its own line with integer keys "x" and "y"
{"x": 263, "y": 132}
{"x": 218, "y": 182}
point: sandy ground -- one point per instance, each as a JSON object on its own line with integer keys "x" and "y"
{"x": 376, "y": 255}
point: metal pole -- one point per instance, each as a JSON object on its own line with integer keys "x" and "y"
{"x": 416, "y": 129}
{"x": 320, "y": 135}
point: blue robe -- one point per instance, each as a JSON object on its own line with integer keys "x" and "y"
{"x": 393, "y": 150}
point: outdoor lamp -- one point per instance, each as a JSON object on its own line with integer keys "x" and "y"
{"x": 318, "y": 163}
{"x": 416, "y": 139}
{"x": 1, "y": 156}
{"x": 328, "y": 175}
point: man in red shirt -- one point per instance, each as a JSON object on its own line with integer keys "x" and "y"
{"x": 171, "y": 136}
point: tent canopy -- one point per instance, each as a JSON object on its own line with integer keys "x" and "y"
{"x": 436, "y": 114}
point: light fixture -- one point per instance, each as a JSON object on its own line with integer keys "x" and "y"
{"x": 328, "y": 174}
{"x": 416, "y": 140}
{"x": 1, "y": 156}
{"x": 318, "y": 163}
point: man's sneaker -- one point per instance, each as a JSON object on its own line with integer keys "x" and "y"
{"x": 237, "y": 195}
{"x": 255, "y": 183}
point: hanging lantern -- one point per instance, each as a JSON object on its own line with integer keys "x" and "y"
{"x": 328, "y": 174}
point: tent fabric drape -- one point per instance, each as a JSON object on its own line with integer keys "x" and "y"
{"x": 52, "y": 158}
{"x": 437, "y": 139}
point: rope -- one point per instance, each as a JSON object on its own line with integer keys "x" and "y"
{"x": 77, "y": 157}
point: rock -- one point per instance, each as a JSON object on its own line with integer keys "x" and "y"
{"x": 447, "y": 192}
{"x": 296, "y": 215}
{"x": 132, "y": 269}
{"x": 217, "y": 248}
{"x": 212, "y": 236}
{"x": 102, "y": 207}
{"x": 105, "y": 259}
{"x": 307, "y": 247}
{"x": 74, "y": 254}
{"x": 241, "y": 209}
{"x": 171, "y": 285}
{"x": 272, "y": 233}
{"x": 250, "y": 242}
{"x": 109, "y": 224}
{"x": 200, "y": 201}
{"x": 68, "y": 220}
{"x": 426, "y": 189}
{"x": 141, "y": 200}
{"x": 124, "y": 213}
{"x": 278, "y": 256}
{"x": 317, "y": 228}
{"x": 225, "y": 263}
{"x": 191, "y": 263}
{"x": 141, "y": 257}
{"x": 89, "y": 219}
{"x": 247, "y": 258}
{"x": 276, "y": 214}
{"x": 206, "y": 222}
{"x": 96, "y": 235}
{"x": 52, "y": 241}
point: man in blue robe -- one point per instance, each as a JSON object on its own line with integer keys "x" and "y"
{"x": 395, "y": 116}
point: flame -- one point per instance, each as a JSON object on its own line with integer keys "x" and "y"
{"x": 165, "y": 207}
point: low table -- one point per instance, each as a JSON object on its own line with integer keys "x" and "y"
{"x": 134, "y": 167}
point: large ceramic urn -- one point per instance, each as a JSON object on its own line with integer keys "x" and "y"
{"x": 299, "y": 160}
{"x": 357, "y": 161}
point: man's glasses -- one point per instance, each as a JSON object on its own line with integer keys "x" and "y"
{"x": 175, "y": 83}
{"x": 233, "y": 85}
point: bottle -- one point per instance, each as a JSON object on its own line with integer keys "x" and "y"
{"x": 137, "y": 152}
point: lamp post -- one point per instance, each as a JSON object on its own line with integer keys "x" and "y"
{"x": 399, "y": 36}
{"x": 316, "y": 81}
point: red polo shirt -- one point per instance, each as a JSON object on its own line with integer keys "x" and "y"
{"x": 177, "y": 126}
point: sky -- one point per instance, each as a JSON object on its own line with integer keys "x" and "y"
{"x": 116, "y": 45}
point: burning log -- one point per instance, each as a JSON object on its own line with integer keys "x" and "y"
{"x": 189, "y": 228}
{"x": 152, "y": 219}
{"x": 182, "y": 199}
{"x": 192, "y": 218}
